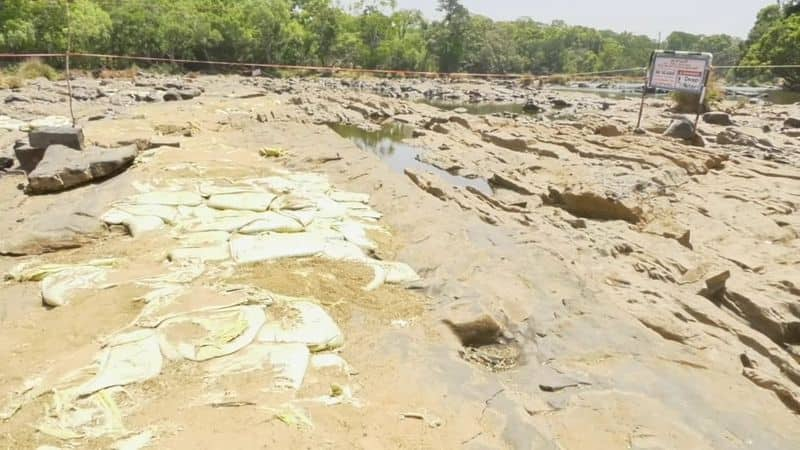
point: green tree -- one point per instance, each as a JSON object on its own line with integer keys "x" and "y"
{"x": 766, "y": 19}
{"x": 679, "y": 40}
{"x": 779, "y": 46}
{"x": 449, "y": 41}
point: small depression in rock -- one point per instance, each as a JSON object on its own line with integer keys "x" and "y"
{"x": 387, "y": 143}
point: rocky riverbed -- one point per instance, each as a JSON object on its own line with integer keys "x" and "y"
{"x": 530, "y": 274}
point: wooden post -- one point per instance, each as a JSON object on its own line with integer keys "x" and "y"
{"x": 644, "y": 91}
{"x": 702, "y": 98}
{"x": 69, "y": 77}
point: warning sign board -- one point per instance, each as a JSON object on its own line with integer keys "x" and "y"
{"x": 679, "y": 71}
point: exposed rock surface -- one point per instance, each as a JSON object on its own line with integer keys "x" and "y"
{"x": 64, "y": 168}
{"x": 643, "y": 291}
{"x": 15, "y": 98}
{"x": 717, "y": 118}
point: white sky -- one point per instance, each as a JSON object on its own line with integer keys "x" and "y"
{"x": 649, "y": 17}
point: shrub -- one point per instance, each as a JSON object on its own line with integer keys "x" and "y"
{"x": 10, "y": 82}
{"x": 35, "y": 68}
{"x": 130, "y": 72}
{"x": 526, "y": 80}
{"x": 557, "y": 79}
{"x": 687, "y": 103}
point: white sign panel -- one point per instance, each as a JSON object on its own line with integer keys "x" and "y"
{"x": 685, "y": 72}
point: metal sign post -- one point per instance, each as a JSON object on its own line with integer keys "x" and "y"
{"x": 644, "y": 90}
{"x": 678, "y": 72}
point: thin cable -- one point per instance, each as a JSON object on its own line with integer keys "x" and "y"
{"x": 766, "y": 66}
{"x": 357, "y": 70}
{"x": 316, "y": 68}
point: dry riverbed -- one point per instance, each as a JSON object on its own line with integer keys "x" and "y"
{"x": 338, "y": 264}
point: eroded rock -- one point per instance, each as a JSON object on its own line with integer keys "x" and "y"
{"x": 427, "y": 183}
{"x": 591, "y": 205}
{"x": 717, "y": 118}
{"x": 16, "y": 98}
{"x": 609, "y": 130}
{"x": 46, "y": 136}
{"x": 680, "y": 128}
{"x": 64, "y": 168}
{"x": 506, "y": 140}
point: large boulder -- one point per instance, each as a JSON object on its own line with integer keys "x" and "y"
{"x": 154, "y": 97}
{"x": 189, "y": 93}
{"x": 16, "y": 98}
{"x": 64, "y": 168}
{"x": 83, "y": 93}
{"x": 680, "y": 128}
{"x": 172, "y": 95}
{"x": 792, "y": 122}
{"x": 717, "y": 118}
{"x": 560, "y": 103}
{"x": 531, "y": 106}
{"x": 44, "y": 137}
{"x": 609, "y": 130}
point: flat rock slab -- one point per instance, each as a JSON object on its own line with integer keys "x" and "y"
{"x": 67, "y": 136}
{"x": 64, "y": 168}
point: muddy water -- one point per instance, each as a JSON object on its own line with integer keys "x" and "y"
{"x": 387, "y": 144}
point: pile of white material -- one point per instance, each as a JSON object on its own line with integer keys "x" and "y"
{"x": 60, "y": 281}
{"x": 11, "y": 124}
{"x": 279, "y": 335}
{"x": 239, "y": 330}
{"x": 262, "y": 219}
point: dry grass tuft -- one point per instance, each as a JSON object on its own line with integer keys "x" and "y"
{"x": 35, "y": 68}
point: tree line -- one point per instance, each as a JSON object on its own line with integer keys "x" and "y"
{"x": 369, "y": 34}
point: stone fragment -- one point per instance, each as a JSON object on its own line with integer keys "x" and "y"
{"x": 46, "y": 136}
{"x": 680, "y": 128}
{"x": 717, "y": 118}
{"x": 476, "y": 333}
{"x": 172, "y": 95}
{"x": 609, "y": 130}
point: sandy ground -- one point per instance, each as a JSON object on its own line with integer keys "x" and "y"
{"x": 581, "y": 254}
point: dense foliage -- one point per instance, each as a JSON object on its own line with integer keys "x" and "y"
{"x": 775, "y": 40}
{"x": 371, "y": 34}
